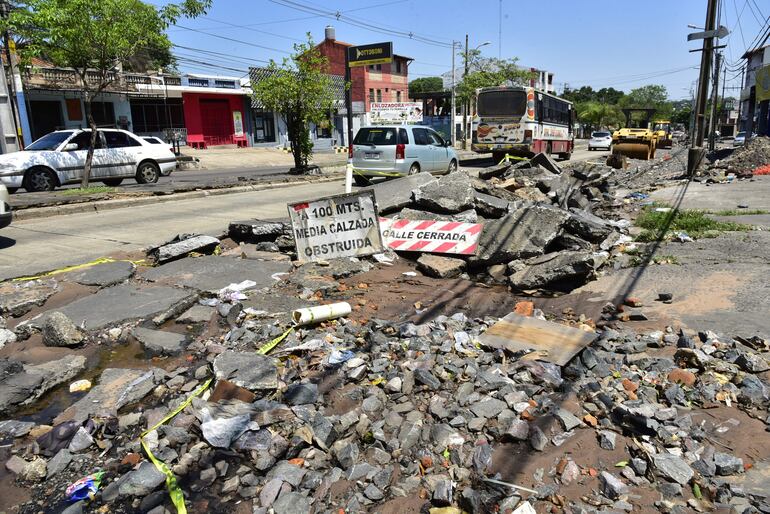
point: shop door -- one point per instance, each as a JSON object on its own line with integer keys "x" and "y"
{"x": 46, "y": 117}
{"x": 217, "y": 122}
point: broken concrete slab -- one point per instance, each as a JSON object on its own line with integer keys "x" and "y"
{"x": 249, "y": 251}
{"x": 588, "y": 226}
{"x": 273, "y": 303}
{"x": 552, "y": 342}
{"x": 249, "y": 370}
{"x": 546, "y": 162}
{"x": 490, "y": 206}
{"x": 158, "y": 342}
{"x": 494, "y": 171}
{"x": 450, "y": 194}
{"x": 103, "y": 275}
{"x": 22, "y": 384}
{"x": 211, "y": 273}
{"x": 439, "y": 266}
{"x": 115, "y": 389}
{"x": 178, "y": 249}
{"x": 196, "y": 314}
{"x": 256, "y": 230}
{"x": 408, "y": 213}
{"x": 120, "y": 303}
{"x": 393, "y": 195}
{"x": 521, "y": 234}
{"x": 18, "y": 298}
{"x": 559, "y": 270}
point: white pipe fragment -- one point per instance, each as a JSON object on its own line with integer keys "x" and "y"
{"x": 320, "y": 313}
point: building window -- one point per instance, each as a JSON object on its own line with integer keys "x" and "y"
{"x": 103, "y": 113}
{"x": 375, "y": 67}
{"x": 398, "y": 96}
{"x": 152, "y": 115}
{"x": 198, "y": 82}
{"x": 371, "y": 96}
{"x": 379, "y": 95}
{"x": 398, "y": 67}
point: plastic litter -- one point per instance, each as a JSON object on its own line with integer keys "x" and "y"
{"x": 637, "y": 195}
{"x": 338, "y": 357}
{"x": 84, "y": 488}
{"x": 683, "y": 237}
{"x": 409, "y": 274}
{"x": 319, "y": 313}
{"x": 234, "y": 292}
{"x": 80, "y": 385}
{"x": 383, "y": 258}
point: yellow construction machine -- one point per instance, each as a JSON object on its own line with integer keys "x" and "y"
{"x": 663, "y": 130}
{"x": 636, "y": 140}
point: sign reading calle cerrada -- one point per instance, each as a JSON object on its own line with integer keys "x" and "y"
{"x": 336, "y": 226}
{"x": 431, "y": 236}
{"x": 364, "y": 55}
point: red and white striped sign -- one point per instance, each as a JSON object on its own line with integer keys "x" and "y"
{"x": 430, "y": 236}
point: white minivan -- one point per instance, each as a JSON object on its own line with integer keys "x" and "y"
{"x": 398, "y": 150}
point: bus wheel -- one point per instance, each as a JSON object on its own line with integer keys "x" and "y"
{"x": 565, "y": 156}
{"x": 548, "y": 148}
{"x": 498, "y": 156}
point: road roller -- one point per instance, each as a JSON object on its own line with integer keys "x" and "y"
{"x": 662, "y": 129}
{"x": 636, "y": 140}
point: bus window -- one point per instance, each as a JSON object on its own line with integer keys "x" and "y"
{"x": 502, "y": 103}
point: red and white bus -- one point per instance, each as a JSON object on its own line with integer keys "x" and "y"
{"x": 522, "y": 121}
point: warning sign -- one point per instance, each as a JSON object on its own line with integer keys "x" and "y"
{"x": 431, "y": 236}
{"x": 336, "y": 226}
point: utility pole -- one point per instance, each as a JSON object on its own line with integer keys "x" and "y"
{"x": 466, "y": 105}
{"x": 696, "y": 152}
{"x": 8, "y": 145}
{"x": 453, "y": 129}
{"x": 722, "y": 103}
{"x": 714, "y": 101}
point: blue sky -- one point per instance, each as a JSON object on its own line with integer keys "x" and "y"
{"x": 600, "y": 43}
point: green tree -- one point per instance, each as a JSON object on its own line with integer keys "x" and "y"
{"x": 609, "y": 95}
{"x": 649, "y": 97}
{"x": 426, "y": 85}
{"x": 95, "y": 38}
{"x": 597, "y": 115}
{"x": 489, "y": 73}
{"x": 583, "y": 94}
{"x": 301, "y": 90}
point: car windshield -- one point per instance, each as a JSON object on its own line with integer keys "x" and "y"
{"x": 601, "y": 134}
{"x": 49, "y": 141}
{"x": 375, "y": 136}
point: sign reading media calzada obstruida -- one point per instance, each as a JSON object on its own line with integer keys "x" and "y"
{"x": 336, "y": 226}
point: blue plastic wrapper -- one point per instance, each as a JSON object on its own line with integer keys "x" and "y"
{"x": 84, "y": 488}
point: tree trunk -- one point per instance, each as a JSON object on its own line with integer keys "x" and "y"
{"x": 294, "y": 133}
{"x": 94, "y": 135}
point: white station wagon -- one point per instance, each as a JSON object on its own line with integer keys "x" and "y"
{"x": 59, "y": 158}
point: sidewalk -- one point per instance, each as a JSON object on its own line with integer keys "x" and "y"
{"x": 229, "y": 157}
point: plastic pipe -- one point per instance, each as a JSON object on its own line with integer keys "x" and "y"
{"x": 320, "y": 313}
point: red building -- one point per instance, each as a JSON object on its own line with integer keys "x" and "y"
{"x": 217, "y": 116}
{"x": 369, "y": 84}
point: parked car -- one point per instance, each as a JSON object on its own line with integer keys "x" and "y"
{"x": 158, "y": 141}
{"x": 600, "y": 141}
{"x": 5, "y": 207}
{"x": 398, "y": 150}
{"x": 59, "y": 158}
{"x": 740, "y": 138}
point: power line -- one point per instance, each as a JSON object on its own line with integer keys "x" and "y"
{"x": 234, "y": 40}
{"x": 233, "y": 25}
{"x": 219, "y": 54}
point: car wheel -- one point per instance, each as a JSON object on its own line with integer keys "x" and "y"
{"x": 112, "y": 182}
{"x": 39, "y": 179}
{"x": 414, "y": 169}
{"x": 361, "y": 180}
{"x": 452, "y": 166}
{"x": 147, "y": 173}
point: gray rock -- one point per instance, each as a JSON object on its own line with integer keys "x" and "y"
{"x": 6, "y": 337}
{"x": 444, "y": 436}
{"x": 752, "y": 363}
{"x": 292, "y": 503}
{"x": 257, "y": 230}
{"x": 250, "y": 370}
{"x": 567, "y": 419}
{"x": 116, "y": 388}
{"x": 323, "y": 431}
{"x": 545, "y": 161}
{"x": 425, "y": 377}
{"x": 490, "y": 206}
{"x": 141, "y": 481}
{"x": 196, "y": 314}
{"x": 158, "y": 342}
{"x": 612, "y": 487}
{"x": 175, "y": 250}
{"x": 518, "y": 430}
{"x": 468, "y": 216}
{"x": 18, "y": 298}
{"x": 394, "y": 385}
{"x": 269, "y": 492}
{"x": 439, "y": 266}
{"x": 521, "y": 234}
{"x": 231, "y": 485}
{"x": 59, "y": 330}
{"x": 488, "y": 407}
{"x": 393, "y": 195}
{"x": 346, "y": 452}
{"x": 588, "y": 226}
{"x": 103, "y": 275}
{"x": 559, "y": 268}
{"x": 287, "y": 472}
{"x": 639, "y": 466}
{"x": 82, "y": 440}
{"x": 537, "y": 439}
{"x": 607, "y": 439}
{"x": 14, "y": 428}
{"x": 672, "y": 468}
{"x": 34, "y": 471}
{"x": 22, "y": 384}
{"x": 727, "y": 464}
{"x": 301, "y": 394}
{"x": 451, "y": 193}
{"x": 59, "y": 462}
{"x": 371, "y": 404}
{"x": 373, "y": 493}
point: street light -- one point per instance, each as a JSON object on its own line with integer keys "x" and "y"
{"x": 467, "y": 106}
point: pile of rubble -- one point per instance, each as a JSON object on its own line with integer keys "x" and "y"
{"x": 744, "y": 160}
{"x": 538, "y": 229}
{"x": 395, "y": 417}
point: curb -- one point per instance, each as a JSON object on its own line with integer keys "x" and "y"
{"x": 119, "y": 203}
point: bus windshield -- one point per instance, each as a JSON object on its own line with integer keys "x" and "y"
{"x": 502, "y": 103}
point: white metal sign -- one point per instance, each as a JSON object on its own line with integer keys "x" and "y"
{"x": 336, "y": 226}
{"x": 397, "y": 112}
{"x": 431, "y": 236}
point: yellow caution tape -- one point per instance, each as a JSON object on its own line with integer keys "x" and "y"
{"x": 378, "y": 173}
{"x": 511, "y": 157}
{"x": 174, "y": 492}
{"x": 267, "y": 347}
{"x": 101, "y": 260}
